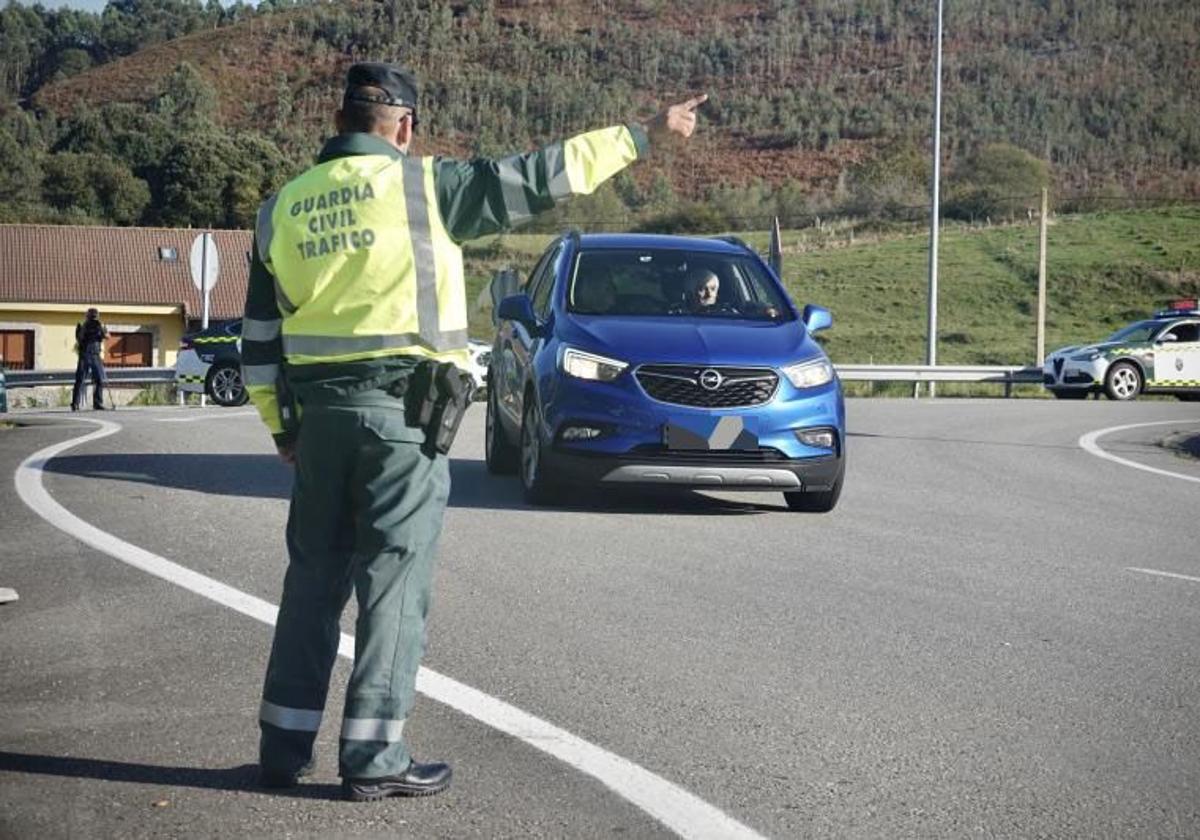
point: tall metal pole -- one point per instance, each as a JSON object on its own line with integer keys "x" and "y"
{"x": 931, "y": 342}
{"x": 1041, "y": 300}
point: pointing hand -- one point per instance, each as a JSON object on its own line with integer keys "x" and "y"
{"x": 676, "y": 119}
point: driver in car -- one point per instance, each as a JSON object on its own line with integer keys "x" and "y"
{"x": 703, "y": 286}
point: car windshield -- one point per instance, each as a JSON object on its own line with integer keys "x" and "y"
{"x": 664, "y": 281}
{"x": 1141, "y": 331}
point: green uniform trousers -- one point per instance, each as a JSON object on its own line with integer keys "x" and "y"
{"x": 366, "y": 514}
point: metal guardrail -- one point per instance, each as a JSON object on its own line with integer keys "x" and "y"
{"x": 10, "y": 379}
{"x": 1003, "y": 374}
{"x": 114, "y": 376}
{"x": 1006, "y": 375}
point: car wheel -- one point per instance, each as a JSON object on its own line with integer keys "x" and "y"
{"x": 224, "y": 385}
{"x": 1123, "y": 381}
{"x": 501, "y": 456}
{"x": 819, "y": 501}
{"x": 1069, "y": 394}
{"x": 538, "y": 488}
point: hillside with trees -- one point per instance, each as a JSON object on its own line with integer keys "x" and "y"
{"x": 179, "y": 112}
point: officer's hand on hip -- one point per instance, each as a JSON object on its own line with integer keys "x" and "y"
{"x": 677, "y": 119}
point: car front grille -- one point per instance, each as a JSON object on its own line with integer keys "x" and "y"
{"x": 735, "y": 387}
{"x": 652, "y": 452}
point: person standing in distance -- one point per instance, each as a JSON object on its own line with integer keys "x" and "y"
{"x": 89, "y": 343}
{"x": 356, "y": 280}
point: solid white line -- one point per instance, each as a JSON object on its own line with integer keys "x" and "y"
{"x": 1088, "y": 442}
{"x": 682, "y": 812}
{"x": 1162, "y": 574}
{"x": 213, "y": 416}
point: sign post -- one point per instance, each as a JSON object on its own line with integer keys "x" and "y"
{"x": 205, "y": 267}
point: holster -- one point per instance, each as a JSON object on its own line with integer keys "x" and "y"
{"x": 436, "y": 399}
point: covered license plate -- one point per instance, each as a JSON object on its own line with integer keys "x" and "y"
{"x": 711, "y": 433}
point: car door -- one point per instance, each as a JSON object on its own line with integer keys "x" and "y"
{"x": 1177, "y": 357}
{"x": 516, "y": 344}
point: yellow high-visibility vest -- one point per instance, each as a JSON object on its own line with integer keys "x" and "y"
{"x": 363, "y": 264}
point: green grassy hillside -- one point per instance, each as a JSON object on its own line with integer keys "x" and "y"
{"x": 1104, "y": 270}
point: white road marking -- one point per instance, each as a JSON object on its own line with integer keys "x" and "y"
{"x": 682, "y": 812}
{"x": 1088, "y": 442}
{"x": 213, "y": 416}
{"x": 1162, "y": 574}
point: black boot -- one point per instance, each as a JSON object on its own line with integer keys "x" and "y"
{"x": 417, "y": 780}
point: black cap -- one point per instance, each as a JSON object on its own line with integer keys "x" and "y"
{"x": 93, "y": 313}
{"x": 398, "y": 86}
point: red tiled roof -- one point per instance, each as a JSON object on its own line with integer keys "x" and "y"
{"x": 94, "y": 266}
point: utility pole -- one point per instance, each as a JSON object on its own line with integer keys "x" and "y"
{"x": 931, "y": 341}
{"x": 1041, "y": 304}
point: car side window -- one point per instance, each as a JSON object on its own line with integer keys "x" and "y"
{"x": 545, "y": 284}
{"x": 1183, "y": 332}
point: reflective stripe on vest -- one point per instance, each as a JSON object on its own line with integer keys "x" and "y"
{"x": 364, "y": 266}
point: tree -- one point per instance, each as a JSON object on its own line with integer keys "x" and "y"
{"x": 94, "y": 186}
{"x": 20, "y": 177}
{"x": 890, "y": 184}
{"x": 998, "y": 180}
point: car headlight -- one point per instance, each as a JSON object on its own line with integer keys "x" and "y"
{"x": 1090, "y": 356}
{"x": 590, "y": 366}
{"x": 809, "y": 374}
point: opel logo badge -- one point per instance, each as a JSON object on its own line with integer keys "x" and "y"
{"x": 710, "y": 380}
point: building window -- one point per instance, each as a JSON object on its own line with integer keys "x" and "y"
{"x": 16, "y": 349}
{"x": 129, "y": 350}
{"x": 167, "y": 254}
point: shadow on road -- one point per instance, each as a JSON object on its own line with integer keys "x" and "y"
{"x": 244, "y": 777}
{"x": 472, "y": 486}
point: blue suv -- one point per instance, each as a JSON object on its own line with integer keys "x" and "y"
{"x": 663, "y": 360}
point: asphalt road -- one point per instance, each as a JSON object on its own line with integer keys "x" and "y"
{"x": 963, "y": 648}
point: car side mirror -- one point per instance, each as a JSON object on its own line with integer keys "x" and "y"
{"x": 1168, "y": 337}
{"x": 504, "y": 283}
{"x": 817, "y": 318}
{"x": 518, "y": 308}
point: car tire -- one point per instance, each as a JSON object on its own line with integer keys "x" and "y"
{"x": 1069, "y": 394}
{"x": 818, "y": 501}
{"x": 538, "y": 487}
{"x": 224, "y": 385}
{"x": 501, "y": 457}
{"x": 1123, "y": 382}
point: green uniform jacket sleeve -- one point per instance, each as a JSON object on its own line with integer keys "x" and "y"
{"x": 482, "y": 196}
{"x": 262, "y": 345}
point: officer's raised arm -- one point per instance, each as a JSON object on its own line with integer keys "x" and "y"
{"x": 485, "y": 196}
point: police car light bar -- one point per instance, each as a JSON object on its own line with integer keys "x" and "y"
{"x": 1181, "y": 306}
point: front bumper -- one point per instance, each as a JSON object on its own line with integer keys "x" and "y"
{"x": 753, "y": 448}
{"x": 1067, "y": 374}
{"x": 677, "y": 469}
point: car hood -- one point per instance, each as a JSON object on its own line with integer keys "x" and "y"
{"x": 684, "y": 340}
{"x": 1075, "y": 349}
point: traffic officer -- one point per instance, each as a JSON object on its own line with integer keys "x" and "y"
{"x": 89, "y": 343}
{"x": 356, "y": 279}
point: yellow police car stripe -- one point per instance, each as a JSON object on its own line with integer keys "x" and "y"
{"x": 189, "y": 378}
{"x": 222, "y": 339}
{"x": 1174, "y": 383}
